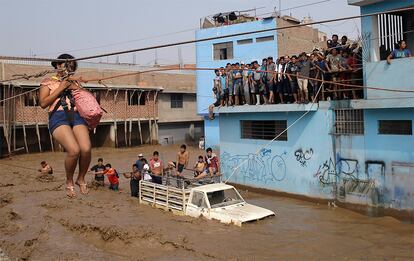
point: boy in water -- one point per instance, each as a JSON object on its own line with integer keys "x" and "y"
{"x": 182, "y": 159}
{"x": 135, "y": 177}
{"x": 113, "y": 179}
{"x": 46, "y": 169}
{"x": 99, "y": 171}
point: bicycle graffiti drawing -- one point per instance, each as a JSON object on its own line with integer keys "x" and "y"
{"x": 262, "y": 167}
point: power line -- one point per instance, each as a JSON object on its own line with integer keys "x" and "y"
{"x": 296, "y": 7}
{"x": 206, "y": 39}
{"x": 120, "y": 43}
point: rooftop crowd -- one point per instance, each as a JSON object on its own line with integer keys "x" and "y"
{"x": 297, "y": 78}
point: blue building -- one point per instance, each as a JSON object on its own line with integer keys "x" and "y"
{"x": 217, "y": 53}
{"x": 352, "y": 151}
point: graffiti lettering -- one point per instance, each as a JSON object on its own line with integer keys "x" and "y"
{"x": 328, "y": 172}
{"x": 262, "y": 167}
{"x": 303, "y": 156}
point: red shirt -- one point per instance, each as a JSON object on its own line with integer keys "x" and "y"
{"x": 113, "y": 179}
{"x": 212, "y": 162}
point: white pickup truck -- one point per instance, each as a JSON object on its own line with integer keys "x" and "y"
{"x": 217, "y": 201}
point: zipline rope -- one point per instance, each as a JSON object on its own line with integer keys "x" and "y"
{"x": 102, "y": 79}
{"x": 204, "y": 39}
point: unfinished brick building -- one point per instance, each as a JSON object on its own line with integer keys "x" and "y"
{"x": 131, "y": 103}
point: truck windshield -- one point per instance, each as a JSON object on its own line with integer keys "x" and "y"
{"x": 224, "y": 198}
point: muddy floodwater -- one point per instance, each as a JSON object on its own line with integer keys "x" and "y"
{"x": 38, "y": 222}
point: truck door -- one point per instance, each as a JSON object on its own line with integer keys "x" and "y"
{"x": 197, "y": 206}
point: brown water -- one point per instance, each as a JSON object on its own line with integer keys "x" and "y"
{"x": 37, "y": 222}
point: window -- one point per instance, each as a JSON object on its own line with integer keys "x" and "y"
{"x": 263, "y": 130}
{"x": 245, "y": 41}
{"x": 223, "y": 51}
{"x": 198, "y": 200}
{"x": 388, "y": 29}
{"x": 31, "y": 99}
{"x": 265, "y": 39}
{"x": 349, "y": 122}
{"x": 395, "y": 127}
{"x": 224, "y": 198}
{"x": 176, "y": 100}
{"x": 137, "y": 98}
{"x": 2, "y": 87}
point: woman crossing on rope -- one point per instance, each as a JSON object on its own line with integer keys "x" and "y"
{"x": 67, "y": 127}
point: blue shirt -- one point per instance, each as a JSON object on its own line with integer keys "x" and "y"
{"x": 397, "y": 53}
{"x": 139, "y": 164}
{"x": 223, "y": 82}
{"x": 321, "y": 64}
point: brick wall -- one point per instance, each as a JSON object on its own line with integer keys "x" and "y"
{"x": 294, "y": 41}
{"x": 117, "y": 109}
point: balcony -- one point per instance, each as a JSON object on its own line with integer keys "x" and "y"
{"x": 363, "y": 2}
{"x": 397, "y": 76}
{"x": 267, "y": 108}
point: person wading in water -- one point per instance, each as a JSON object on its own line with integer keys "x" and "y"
{"x": 67, "y": 127}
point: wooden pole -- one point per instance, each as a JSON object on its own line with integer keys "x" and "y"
{"x": 115, "y": 124}
{"x": 25, "y": 138}
{"x": 51, "y": 142}
{"x": 24, "y": 126}
{"x": 38, "y": 136}
{"x": 130, "y": 132}
{"x": 13, "y": 105}
{"x": 5, "y": 131}
{"x": 139, "y": 130}
{"x": 125, "y": 119}
{"x": 150, "y": 130}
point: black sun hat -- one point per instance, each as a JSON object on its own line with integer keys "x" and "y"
{"x": 64, "y": 56}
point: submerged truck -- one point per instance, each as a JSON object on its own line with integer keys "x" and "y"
{"x": 217, "y": 201}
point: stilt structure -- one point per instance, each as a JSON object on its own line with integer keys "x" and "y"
{"x": 38, "y": 137}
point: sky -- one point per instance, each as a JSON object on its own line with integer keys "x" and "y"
{"x": 46, "y": 28}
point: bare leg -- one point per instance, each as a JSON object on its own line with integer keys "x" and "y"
{"x": 82, "y": 136}
{"x": 65, "y": 137}
{"x": 201, "y": 176}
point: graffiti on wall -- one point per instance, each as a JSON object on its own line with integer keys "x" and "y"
{"x": 262, "y": 167}
{"x": 328, "y": 172}
{"x": 303, "y": 156}
{"x": 353, "y": 185}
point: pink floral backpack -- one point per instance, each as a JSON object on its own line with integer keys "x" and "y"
{"x": 87, "y": 106}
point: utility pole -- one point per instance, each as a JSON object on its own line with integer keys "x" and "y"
{"x": 180, "y": 57}
{"x": 155, "y": 58}
{"x": 280, "y": 8}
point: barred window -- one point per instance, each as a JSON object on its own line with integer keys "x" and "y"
{"x": 265, "y": 39}
{"x": 223, "y": 51}
{"x": 31, "y": 99}
{"x": 395, "y": 127}
{"x": 349, "y": 122}
{"x": 245, "y": 41}
{"x": 263, "y": 130}
{"x": 177, "y": 100}
{"x": 137, "y": 98}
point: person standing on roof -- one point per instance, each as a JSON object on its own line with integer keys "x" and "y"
{"x": 67, "y": 127}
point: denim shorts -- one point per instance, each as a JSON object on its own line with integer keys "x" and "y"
{"x": 58, "y": 118}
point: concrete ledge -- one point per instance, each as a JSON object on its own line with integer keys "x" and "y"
{"x": 266, "y": 108}
{"x": 391, "y": 103}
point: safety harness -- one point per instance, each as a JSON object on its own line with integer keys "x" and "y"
{"x": 64, "y": 96}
